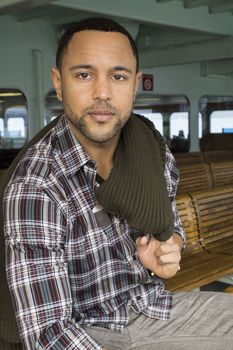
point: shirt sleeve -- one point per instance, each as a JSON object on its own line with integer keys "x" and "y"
{"x": 172, "y": 179}
{"x": 37, "y": 272}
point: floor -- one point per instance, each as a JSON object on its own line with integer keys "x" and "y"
{"x": 218, "y": 287}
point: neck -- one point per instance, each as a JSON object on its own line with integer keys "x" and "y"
{"x": 101, "y": 153}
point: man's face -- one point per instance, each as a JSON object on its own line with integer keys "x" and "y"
{"x": 97, "y": 83}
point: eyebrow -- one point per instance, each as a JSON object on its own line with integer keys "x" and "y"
{"x": 89, "y": 66}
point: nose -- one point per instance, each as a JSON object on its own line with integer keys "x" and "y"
{"x": 102, "y": 89}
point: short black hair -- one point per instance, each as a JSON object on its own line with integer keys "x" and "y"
{"x": 94, "y": 23}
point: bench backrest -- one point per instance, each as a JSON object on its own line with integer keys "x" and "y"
{"x": 189, "y": 220}
{"x": 207, "y": 217}
{"x": 215, "y": 219}
{"x": 189, "y": 158}
{"x": 195, "y": 177}
{"x": 222, "y": 173}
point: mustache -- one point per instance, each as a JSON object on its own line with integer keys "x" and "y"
{"x": 103, "y": 105}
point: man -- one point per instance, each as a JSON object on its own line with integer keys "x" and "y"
{"x": 91, "y": 224}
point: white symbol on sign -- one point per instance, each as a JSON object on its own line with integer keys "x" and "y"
{"x": 147, "y": 84}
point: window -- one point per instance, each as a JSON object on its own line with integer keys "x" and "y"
{"x": 170, "y": 114}
{"x": 53, "y": 107}
{"x": 1, "y": 127}
{"x": 13, "y": 119}
{"x": 156, "y": 118}
{"x": 199, "y": 125}
{"x": 217, "y": 114}
{"x": 217, "y": 122}
{"x": 179, "y": 125}
{"x": 221, "y": 122}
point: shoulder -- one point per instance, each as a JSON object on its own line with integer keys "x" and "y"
{"x": 35, "y": 158}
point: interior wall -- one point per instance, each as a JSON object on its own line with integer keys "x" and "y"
{"x": 187, "y": 80}
{"x": 28, "y": 52}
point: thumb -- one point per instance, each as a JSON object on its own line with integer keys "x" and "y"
{"x": 142, "y": 243}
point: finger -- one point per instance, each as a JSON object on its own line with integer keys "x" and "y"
{"x": 166, "y": 271}
{"x": 171, "y": 258}
{"x": 167, "y": 247}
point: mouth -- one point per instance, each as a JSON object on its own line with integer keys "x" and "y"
{"x": 101, "y": 115}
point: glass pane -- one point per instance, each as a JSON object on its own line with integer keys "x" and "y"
{"x": 1, "y": 132}
{"x": 156, "y": 118}
{"x": 217, "y": 112}
{"x": 53, "y": 107}
{"x": 221, "y": 122}
{"x": 217, "y": 122}
{"x": 159, "y": 109}
{"x": 179, "y": 125}
{"x": 13, "y": 124}
{"x": 199, "y": 125}
{"x": 13, "y": 113}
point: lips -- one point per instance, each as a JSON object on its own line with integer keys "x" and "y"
{"x": 101, "y": 115}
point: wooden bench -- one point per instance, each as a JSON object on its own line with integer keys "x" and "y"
{"x": 215, "y": 219}
{"x": 203, "y": 176}
{"x": 218, "y": 156}
{"x": 189, "y": 158}
{"x": 229, "y": 289}
{"x": 216, "y": 141}
{"x": 222, "y": 173}
{"x": 195, "y": 177}
{"x": 208, "y": 221}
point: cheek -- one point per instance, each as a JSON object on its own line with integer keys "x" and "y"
{"x": 124, "y": 94}
{"x": 127, "y": 99}
{"x": 75, "y": 97}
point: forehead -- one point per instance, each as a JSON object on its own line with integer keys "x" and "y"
{"x": 97, "y": 45}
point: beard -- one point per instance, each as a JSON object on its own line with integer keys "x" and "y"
{"x": 99, "y": 133}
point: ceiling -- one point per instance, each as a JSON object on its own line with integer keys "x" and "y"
{"x": 168, "y": 32}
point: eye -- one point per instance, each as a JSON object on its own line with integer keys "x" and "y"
{"x": 119, "y": 77}
{"x": 83, "y": 76}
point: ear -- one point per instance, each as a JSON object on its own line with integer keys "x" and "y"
{"x": 57, "y": 83}
{"x": 137, "y": 79}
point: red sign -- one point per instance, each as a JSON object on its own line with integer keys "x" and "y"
{"x": 147, "y": 82}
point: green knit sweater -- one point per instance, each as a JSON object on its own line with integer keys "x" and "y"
{"x": 136, "y": 187}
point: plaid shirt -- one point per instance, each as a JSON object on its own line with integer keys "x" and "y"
{"x": 69, "y": 263}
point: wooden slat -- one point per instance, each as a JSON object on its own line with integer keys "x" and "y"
{"x": 229, "y": 289}
{"x": 194, "y": 177}
{"x": 222, "y": 173}
{"x": 189, "y": 220}
{"x": 188, "y": 158}
{"x": 215, "y": 214}
{"x": 201, "y": 269}
{"x": 218, "y": 155}
{"x": 209, "y": 251}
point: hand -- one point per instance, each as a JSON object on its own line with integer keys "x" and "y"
{"x": 162, "y": 258}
